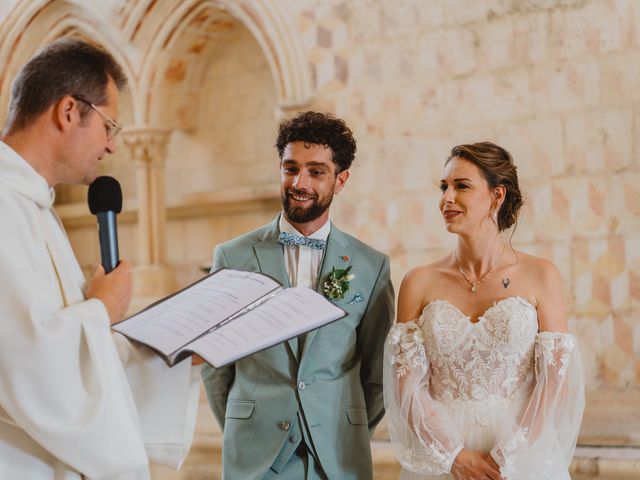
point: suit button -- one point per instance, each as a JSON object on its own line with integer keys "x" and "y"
{"x": 293, "y": 439}
{"x": 301, "y": 386}
{"x": 284, "y": 426}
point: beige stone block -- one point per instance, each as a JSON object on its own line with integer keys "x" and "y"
{"x": 175, "y": 242}
{"x": 591, "y": 29}
{"x": 620, "y": 75}
{"x": 599, "y": 140}
{"x": 611, "y": 417}
{"x": 245, "y": 222}
{"x": 459, "y": 12}
{"x": 403, "y": 212}
{"x": 410, "y": 15}
{"x": 566, "y": 87}
{"x": 363, "y": 172}
{"x": 365, "y": 21}
{"x": 524, "y": 230}
{"x": 417, "y": 163}
{"x": 589, "y": 205}
{"x": 617, "y": 368}
{"x": 483, "y": 98}
{"x": 536, "y": 146}
{"x": 497, "y": 44}
{"x": 550, "y": 207}
{"x": 451, "y": 52}
{"x": 127, "y": 241}
{"x": 420, "y": 110}
{"x": 531, "y": 38}
{"x": 604, "y": 279}
{"x": 199, "y": 238}
{"x": 588, "y": 333}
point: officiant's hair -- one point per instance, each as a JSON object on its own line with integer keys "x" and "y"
{"x": 65, "y": 67}
{"x": 497, "y": 167}
{"x": 320, "y": 129}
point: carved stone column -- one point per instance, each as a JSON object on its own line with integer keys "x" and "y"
{"x": 147, "y": 146}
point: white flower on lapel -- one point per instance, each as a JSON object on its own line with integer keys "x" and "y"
{"x": 337, "y": 283}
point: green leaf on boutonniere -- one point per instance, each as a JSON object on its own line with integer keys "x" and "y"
{"x": 337, "y": 283}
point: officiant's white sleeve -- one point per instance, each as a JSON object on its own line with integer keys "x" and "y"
{"x": 545, "y": 433}
{"x": 166, "y": 400}
{"x": 422, "y": 432}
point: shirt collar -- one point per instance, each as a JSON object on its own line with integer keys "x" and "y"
{"x": 321, "y": 234}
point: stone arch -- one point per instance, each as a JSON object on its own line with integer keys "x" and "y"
{"x": 279, "y": 44}
{"x": 31, "y": 25}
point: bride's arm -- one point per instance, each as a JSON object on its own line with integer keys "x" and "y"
{"x": 549, "y": 423}
{"x": 423, "y": 434}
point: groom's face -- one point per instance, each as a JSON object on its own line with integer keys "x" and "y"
{"x": 308, "y": 182}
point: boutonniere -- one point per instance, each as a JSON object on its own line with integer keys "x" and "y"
{"x": 337, "y": 283}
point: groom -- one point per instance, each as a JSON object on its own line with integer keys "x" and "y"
{"x": 305, "y": 409}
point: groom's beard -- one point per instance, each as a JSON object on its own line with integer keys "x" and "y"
{"x": 297, "y": 214}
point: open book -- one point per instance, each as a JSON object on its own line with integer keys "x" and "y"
{"x": 228, "y": 315}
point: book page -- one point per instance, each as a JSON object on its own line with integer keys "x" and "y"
{"x": 178, "y": 319}
{"x": 289, "y": 313}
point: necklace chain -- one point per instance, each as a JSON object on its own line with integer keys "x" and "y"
{"x": 474, "y": 285}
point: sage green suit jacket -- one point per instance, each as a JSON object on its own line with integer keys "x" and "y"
{"x": 335, "y": 386}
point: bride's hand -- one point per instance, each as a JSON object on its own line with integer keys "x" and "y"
{"x": 471, "y": 465}
{"x": 492, "y": 463}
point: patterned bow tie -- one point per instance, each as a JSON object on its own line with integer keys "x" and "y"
{"x": 291, "y": 239}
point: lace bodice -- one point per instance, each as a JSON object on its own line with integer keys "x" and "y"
{"x": 472, "y": 361}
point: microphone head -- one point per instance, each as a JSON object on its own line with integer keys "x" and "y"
{"x": 105, "y": 195}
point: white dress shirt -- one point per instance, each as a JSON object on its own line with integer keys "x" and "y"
{"x": 303, "y": 263}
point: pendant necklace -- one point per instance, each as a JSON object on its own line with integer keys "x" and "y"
{"x": 474, "y": 285}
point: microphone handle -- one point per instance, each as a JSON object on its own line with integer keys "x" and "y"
{"x": 108, "y": 233}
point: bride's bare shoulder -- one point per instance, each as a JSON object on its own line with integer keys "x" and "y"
{"x": 537, "y": 268}
{"x": 427, "y": 273}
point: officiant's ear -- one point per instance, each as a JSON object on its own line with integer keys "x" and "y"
{"x": 341, "y": 179}
{"x": 65, "y": 112}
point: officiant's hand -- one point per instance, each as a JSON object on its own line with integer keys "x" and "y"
{"x": 114, "y": 289}
{"x": 471, "y": 465}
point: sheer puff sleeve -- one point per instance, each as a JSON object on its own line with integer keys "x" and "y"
{"x": 544, "y": 435}
{"x": 421, "y": 430}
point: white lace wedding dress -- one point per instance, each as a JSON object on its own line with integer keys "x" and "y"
{"x": 496, "y": 386}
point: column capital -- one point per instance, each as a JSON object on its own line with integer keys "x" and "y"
{"x": 147, "y": 144}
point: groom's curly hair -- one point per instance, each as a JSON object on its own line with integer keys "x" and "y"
{"x": 320, "y": 129}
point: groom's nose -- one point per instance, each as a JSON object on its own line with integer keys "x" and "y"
{"x": 301, "y": 182}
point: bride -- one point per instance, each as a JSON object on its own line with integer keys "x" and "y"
{"x": 482, "y": 380}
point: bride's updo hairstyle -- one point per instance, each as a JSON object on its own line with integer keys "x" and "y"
{"x": 496, "y": 165}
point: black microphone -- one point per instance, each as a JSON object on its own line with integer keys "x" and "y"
{"x": 105, "y": 201}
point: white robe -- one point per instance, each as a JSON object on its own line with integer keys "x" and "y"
{"x": 75, "y": 399}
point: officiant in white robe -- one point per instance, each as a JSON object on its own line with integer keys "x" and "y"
{"x": 76, "y": 400}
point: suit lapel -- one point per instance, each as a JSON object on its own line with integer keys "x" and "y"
{"x": 270, "y": 255}
{"x": 337, "y": 248}
{"x": 270, "y": 258}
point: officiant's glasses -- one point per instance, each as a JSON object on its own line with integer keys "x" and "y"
{"x": 112, "y": 127}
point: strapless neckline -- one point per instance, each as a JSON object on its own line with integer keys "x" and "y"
{"x": 487, "y": 312}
